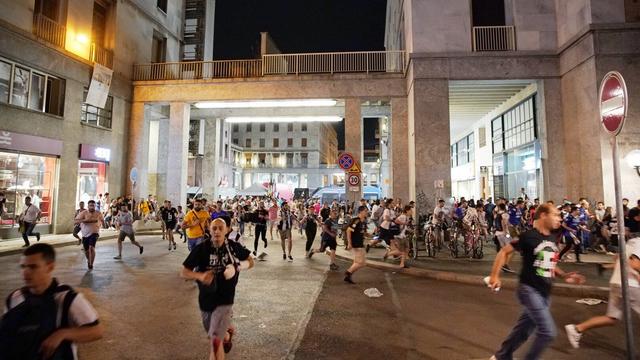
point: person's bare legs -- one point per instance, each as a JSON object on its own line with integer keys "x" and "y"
{"x": 332, "y": 256}
{"x": 92, "y": 255}
{"x": 119, "y": 248}
{"x": 282, "y": 243}
{"x": 596, "y": 322}
{"x": 289, "y": 245}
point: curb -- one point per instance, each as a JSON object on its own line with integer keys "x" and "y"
{"x": 63, "y": 243}
{"x": 562, "y": 289}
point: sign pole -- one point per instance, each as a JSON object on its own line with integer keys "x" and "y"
{"x": 624, "y": 273}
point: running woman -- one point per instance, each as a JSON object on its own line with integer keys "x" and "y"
{"x": 539, "y": 260}
{"x": 356, "y": 232}
{"x": 124, "y": 221}
{"x": 169, "y": 216}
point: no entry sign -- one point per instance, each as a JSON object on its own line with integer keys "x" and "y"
{"x": 613, "y": 102}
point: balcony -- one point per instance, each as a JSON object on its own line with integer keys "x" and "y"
{"x": 494, "y": 38}
{"x": 101, "y": 55}
{"x": 275, "y": 64}
{"x": 49, "y": 30}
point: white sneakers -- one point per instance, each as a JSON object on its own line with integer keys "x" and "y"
{"x": 573, "y": 335}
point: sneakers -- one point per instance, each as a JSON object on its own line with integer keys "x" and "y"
{"x": 169, "y": 247}
{"x": 334, "y": 267}
{"x": 174, "y": 246}
{"x": 142, "y": 249}
{"x": 367, "y": 248}
{"x": 507, "y": 269}
{"x": 347, "y": 277}
{"x": 290, "y": 258}
{"x": 573, "y": 335}
{"x": 310, "y": 254}
{"x": 117, "y": 257}
{"x": 284, "y": 256}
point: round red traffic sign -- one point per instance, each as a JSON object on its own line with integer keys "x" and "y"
{"x": 613, "y": 102}
{"x": 354, "y": 179}
{"x": 346, "y": 161}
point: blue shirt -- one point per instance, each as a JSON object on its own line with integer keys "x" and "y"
{"x": 571, "y": 222}
{"x": 218, "y": 214}
{"x": 515, "y": 215}
{"x": 459, "y": 212}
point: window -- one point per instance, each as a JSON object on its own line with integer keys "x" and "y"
{"x": 162, "y": 5}
{"x": 99, "y": 26}
{"x": 276, "y": 143}
{"x": 236, "y": 141}
{"x": 248, "y": 129}
{"x": 303, "y": 142}
{"x": 276, "y": 160}
{"x": 96, "y": 116}
{"x": 30, "y": 88}
{"x": 276, "y": 127}
{"x": 158, "y": 48}
{"x": 194, "y": 137}
{"x": 462, "y": 152}
{"x": 290, "y": 127}
{"x": 454, "y": 155}
{"x": 262, "y": 127}
{"x": 514, "y": 128}
{"x": 247, "y": 143}
{"x": 304, "y": 127}
{"x": 289, "y": 159}
{"x": 236, "y": 127}
{"x": 289, "y": 142}
{"x": 304, "y": 159}
{"x": 261, "y": 143}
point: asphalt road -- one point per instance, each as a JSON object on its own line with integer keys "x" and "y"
{"x": 297, "y": 310}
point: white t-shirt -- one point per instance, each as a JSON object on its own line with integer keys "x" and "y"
{"x": 439, "y": 214}
{"x": 402, "y": 219}
{"x": 81, "y": 312}
{"x": 387, "y": 216}
{"x": 633, "y": 248}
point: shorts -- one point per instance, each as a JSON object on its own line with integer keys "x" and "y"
{"x": 328, "y": 242}
{"x": 123, "y": 235}
{"x": 359, "y": 255}
{"x": 170, "y": 225}
{"x": 285, "y": 234}
{"x": 514, "y": 231}
{"x": 217, "y": 322}
{"x": 386, "y": 235}
{"x": 193, "y": 242}
{"x": 90, "y": 241}
{"x": 503, "y": 240}
{"x": 614, "y": 309}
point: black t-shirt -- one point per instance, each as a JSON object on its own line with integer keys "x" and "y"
{"x": 324, "y": 214}
{"x": 330, "y": 224}
{"x": 205, "y": 257}
{"x": 631, "y": 222}
{"x": 539, "y": 259}
{"x": 169, "y": 216}
{"x": 262, "y": 217}
{"x": 359, "y": 228}
{"x": 311, "y": 224}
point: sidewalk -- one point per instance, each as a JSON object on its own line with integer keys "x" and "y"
{"x": 15, "y": 246}
{"x": 472, "y": 271}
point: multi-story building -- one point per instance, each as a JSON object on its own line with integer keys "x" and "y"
{"x": 56, "y": 145}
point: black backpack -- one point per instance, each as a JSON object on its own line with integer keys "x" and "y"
{"x": 497, "y": 223}
{"x": 27, "y": 325}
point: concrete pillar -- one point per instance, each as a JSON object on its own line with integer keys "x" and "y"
{"x": 428, "y": 129}
{"x": 210, "y": 9}
{"x": 399, "y": 150}
{"x": 161, "y": 160}
{"x": 353, "y": 141}
{"x": 176, "y": 179}
{"x": 209, "y": 173}
{"x": 552, "y": 140}
{"x": 138, "y": 150}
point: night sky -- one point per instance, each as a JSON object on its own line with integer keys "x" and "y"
{"x": 298, "y": 26}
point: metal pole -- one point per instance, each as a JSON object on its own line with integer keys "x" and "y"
{"x": 624, "y": 274}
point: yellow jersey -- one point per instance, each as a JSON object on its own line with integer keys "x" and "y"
{"x": 196, "y": 231}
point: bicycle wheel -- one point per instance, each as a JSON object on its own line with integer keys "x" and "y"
{"x": 453, "y": 245}
{"x": 413, "y": 247}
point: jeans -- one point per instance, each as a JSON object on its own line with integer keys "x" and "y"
{"x": 28, "y": 231}
{"x": 311, "y": 236}
{"x": 241, "y": 227}
{"x": 193, "y": 242}
{"x": 536, "y": 315}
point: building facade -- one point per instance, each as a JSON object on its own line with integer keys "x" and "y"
{"x": 54, "y": 146}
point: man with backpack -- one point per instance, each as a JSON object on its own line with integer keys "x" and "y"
{"x": 44, "y": 319}
{"x": 195, "y": 224}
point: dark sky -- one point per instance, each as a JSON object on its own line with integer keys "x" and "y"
{"x": 298, "y": 26}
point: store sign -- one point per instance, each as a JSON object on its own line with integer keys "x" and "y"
{"x": 94, "y": 153}
{"x": 29, "y": 143}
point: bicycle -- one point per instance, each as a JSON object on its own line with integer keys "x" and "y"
{"x": 431, "y": 238}
{"x": 455, "y": 232}
{"x": 473, "y": 244}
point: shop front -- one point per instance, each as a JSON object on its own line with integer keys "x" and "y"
{"x": 28, "y": 167}
{"x": 92, "y": 172}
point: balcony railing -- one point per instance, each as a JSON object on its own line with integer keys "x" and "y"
{"x": 101, "y": 55}
{"x": 276, "y": 64}
{"x": 49, "y": 30}
{"x": 331, "y": 63}
{"x": 198, "y": 70}
{"x": 494, "y": 38}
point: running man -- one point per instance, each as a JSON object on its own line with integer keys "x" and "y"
{"x": 215, "y": 265}
{"x": 261, "y": 227}
{"x": 539, "y": 260}
{"x": 76, "y": 226}
{"x": 29, "y": 218}
{"x": 284, "y": 228}
{"x": 273, "y": 217}
{"x": 124, "y": 220}
{"x": 356, "y": 232}
{"x": 195, "y": 222}
{"x": 328, "y": 239}
{"x": 169, "y": 216}
{"x": 614, "y": 309}
{"x": 90, "y": 221}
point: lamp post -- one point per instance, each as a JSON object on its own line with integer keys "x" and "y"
{"x": 633, "y": 160}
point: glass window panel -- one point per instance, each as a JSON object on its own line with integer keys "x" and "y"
{"x": 36, "y": 176}
{"x": 20, "y": 86}
{"x": 5, "y": 81}
{"x": 36, "y": 100}
{"x": 8, "y": 178}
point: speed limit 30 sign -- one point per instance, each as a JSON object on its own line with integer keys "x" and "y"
{"x": 354, "y": 179}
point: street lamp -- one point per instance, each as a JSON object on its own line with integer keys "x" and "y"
{"x": 633, "y": 159}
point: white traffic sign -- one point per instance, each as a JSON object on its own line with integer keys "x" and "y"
{"x": 614, "y": 102}
{"x": 354, "y": 179}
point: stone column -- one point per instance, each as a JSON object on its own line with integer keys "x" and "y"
{"x": 138, "y": 150}
{"x": 353, "y": 141}
{"x": 552, "y": 140}
{"x": 162, "y": 162}
{"x": 428, "y": 131}
{"x": 177, "y": 153}
{"x": 399, "y": 150}
{"x": 209, "y": 173}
